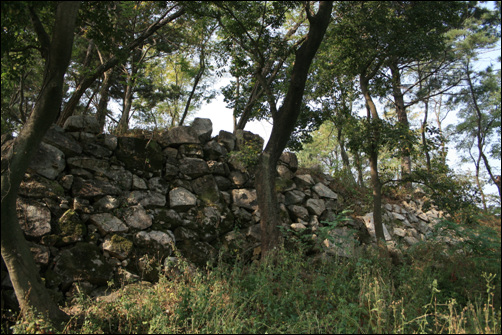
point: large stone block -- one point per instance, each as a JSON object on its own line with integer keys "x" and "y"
{"x": 140, "y": 154}
{"x": 82, "y": 123}
{"x": 193, "y": 167}
{"x": 181, "y": 199}
{"x": 34, "y": 217}
{"x": 176, "y": 136}
{"x": 245, "y": 198}
{"x": 203, "y": 128}
{"x": 48, "y": 161}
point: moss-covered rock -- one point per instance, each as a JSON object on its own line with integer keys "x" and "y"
{"x": 118, "y": 246}
{"x": 71, "y": 227}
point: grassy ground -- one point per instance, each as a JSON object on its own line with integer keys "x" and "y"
{"x": 429, "y": 290}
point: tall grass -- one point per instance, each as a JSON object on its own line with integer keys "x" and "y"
{"x": 430, "y": 291}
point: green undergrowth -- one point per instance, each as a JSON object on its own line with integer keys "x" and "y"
{"x": 431, "y": 290}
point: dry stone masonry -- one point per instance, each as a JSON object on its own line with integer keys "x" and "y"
{"x": 96, "y": 207}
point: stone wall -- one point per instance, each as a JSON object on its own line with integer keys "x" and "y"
{"x": 97, "y": 207}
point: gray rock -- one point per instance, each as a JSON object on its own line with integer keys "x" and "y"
{"x": 36, "y": 186}
{"x": 156, "y": 239}
{"x": 136, "y": 217}
{"x": 107, "y": 223}
{"x": 193, "y": 167}
{"x": 245, "y": 198}
{"x": 140, "y": 154}
{"x": 110, "y": 141}
{"x": 89, "y": 163}
{"x": 191, "y": 150}
{"x": 171, "y": 171}
{"x": 411, "y": 240}
{"x": 121, "y": 177}
{"x": 315, "y": 206}
{"x": 238, "y": 178}
{"x": 138, "y": 183}
{"x": 284, "y": 172}
{"x": 227, "y": 140}
{"x": 398, "y": 216}
{"x": 211, "y": 220}
{"x": 370, "y": 226}
{"x": 299, "y": 212}
{"x": 247, "y": 139}
{"x": 48, "y": 161}
{"x": 294, "y": 197}
{"x": 203, "y": 128}
{"x": 290, "y": 160}
{"x": 324, "y": 191}
{"x": 304, "y": 180}
{"x": 214, "y": 150}
{"x": 223, "y": 183}
{"x": 147, "y": 198}
{"x": 96, "y": 150}
{"x": 41, "y": 253}
{"x": 180, "y": 135}
{"x": 298, "y": 226}
{"x": 56, "y": 137}
{"x": 33, "y": 217}
{"x": 107, "y": 203}
{"x": 159, "y": 185}
{"x": 218, "y": 168}
{"x": 399, "y": 232}
{"x": 181, "y": 199}
{"x": 93, "y": 188}
{"x": 82, "y": 123}
{"x": 206, "y": 188}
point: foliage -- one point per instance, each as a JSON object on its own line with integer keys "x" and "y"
{"x": 449, "y": 191}
{"x": 247, "y": 155}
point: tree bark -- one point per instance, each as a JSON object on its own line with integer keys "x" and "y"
{"x": 101, "y": 110}
{"x": 202, "y": 68}
{"x": 373, "y": 119}
{"x": 402, "y": 118}
{"x": 479, "y": 131}
{"x": 30, "y": 291}
{"x": 284, "y": 123}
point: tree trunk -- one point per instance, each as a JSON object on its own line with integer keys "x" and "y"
{"x": 373, "y": 119}
{"x": 284, "y": 123}
{"x": 359, "y": 168}
{"x": 30, "y": 291}
{"x": 123, "y": 125}
{"x": 202, "y": 68}
{"x": 479, "y": 131}
{"x": 425, "y": 146}
{"x": 103, "y": 99}
{"x": 343, "y": 153}
{"x": 402, "y": 118}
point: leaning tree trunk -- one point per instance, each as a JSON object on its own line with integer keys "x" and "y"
{"x": 30, "y": 291}
{"x": 284, "y": 123}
